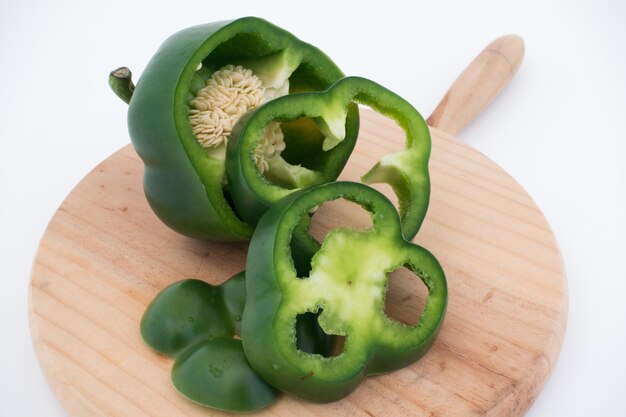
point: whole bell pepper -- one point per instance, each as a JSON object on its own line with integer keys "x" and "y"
{"x": 191, "y": 94}
{"x": 346, "y": 286}
{"x": 199, "y": 325}
{"x": 254, "y": 191}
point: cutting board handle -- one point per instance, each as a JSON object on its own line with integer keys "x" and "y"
{"x": 479, "y": 84}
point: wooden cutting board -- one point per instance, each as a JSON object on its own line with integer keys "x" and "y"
{"x": 105, "y": 256}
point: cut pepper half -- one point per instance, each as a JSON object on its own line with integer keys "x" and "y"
{"x": 253, "y": 192}
{"x": 189, "y": 97}
{"x": 346, "y": 286}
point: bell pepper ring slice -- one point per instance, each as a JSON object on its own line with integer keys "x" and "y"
{"x": 406, "y": 171}
{"x": 181, "y": 112}
{"x": 347, "y": 285}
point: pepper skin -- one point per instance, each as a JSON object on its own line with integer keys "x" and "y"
{"x": 347, "y": 284}
{"x": 183, "y": 182}
{"x": 196, "y": 323}
{"x": 406, "y": 171}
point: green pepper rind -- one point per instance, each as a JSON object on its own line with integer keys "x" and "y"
{"x": 275, "y": 297}
{"x": 194, "y": 323}
{"x": 182, "y": 183}
{"x": 406, "y": 171}
{"x": 252, "y": 193}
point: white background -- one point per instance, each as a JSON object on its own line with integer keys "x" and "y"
{"x": 558, "y": 129}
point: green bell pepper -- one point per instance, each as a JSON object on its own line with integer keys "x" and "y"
{"x": 195, "y": 88}
{"x": 195, "y": 323}
{"x": 253, "y": 192}
{"x": 199, "y": 325}
{"x": 346, "y": 286}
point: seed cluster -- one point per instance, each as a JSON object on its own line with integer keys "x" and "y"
{"x": 272, "y": 143}
{"x": 229, "y": 93}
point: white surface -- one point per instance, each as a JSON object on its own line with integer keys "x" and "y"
{"x": 558, "y": 129}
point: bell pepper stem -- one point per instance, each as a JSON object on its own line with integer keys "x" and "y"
{"x": 120, "y": 81}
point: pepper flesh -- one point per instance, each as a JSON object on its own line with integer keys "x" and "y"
{"x": 406, "y": 171}
{"x": 183, "y": 181}
{"x": 346, "y": 284}
{"x": 197, "y": 324}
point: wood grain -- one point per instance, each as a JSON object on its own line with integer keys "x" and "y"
{"x": 105, "y": 256}
{"x": 478, "y": 84}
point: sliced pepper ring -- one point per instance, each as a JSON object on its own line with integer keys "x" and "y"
{"x": 406, "y": 171}
{"x": 347, "y": 283}
{"x": 183, "y": 181}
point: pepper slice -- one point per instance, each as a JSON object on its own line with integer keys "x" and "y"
{"x": 198, "y": 325}
{"x": 195, "y": 323}
{"x": 347, "y": 284}
{"x": 201, "y": 80}
{"x": 406, "y": 171}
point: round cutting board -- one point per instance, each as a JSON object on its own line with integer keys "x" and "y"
{"x": 105, "y": 256}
